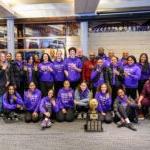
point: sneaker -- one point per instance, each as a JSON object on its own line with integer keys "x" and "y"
{"x": 130, "y": 126}
{"x": 43, "y": 124}
{"x": 49, "y": 124}
{"x": 141, "y": 117}
{"x": 79, "y": 116}
{"x": 120, "y": 124}
{"x": 84, "y": 115}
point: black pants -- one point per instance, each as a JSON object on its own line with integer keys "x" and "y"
{"x": 29, "y": 117}
{"x": 114, "y": 94}
{"x": 131, "y": 92}
{"x": 11, "y": 113}
{"x": 107, "y": 118}
{"x": 74, "y": 84}
{"x": 20, "y": 88}
{"x": 45, "y": 87}
{"x": 130, "y": 112}
{"x": 94, "y": 90}
{"x": 57, "y": 86}
{"x": 141, "y": 85}
{"x": 69, "y": 116}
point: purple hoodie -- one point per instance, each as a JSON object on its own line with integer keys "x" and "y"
{"x": 47, "y": 106}
{"x": 44, "y": 73}
{"x": 131, "y": 81}
{"x": 32, "y": 100}
{"x": 65, "y": 98}
{"x": 104, "y": 102}
{"x": 11, "y": 104}
{"x": 58, "y": 67}
{"x": 73, "y": 74}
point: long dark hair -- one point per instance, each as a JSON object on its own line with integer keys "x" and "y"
{"x": 133, "y": 58}
{"x": 146, "y": 64}
{"x": 109, "y": 90}
{"x": 29, "y": 57}
{"x": 49, "y": 59}
{"x": 7, "y": 92}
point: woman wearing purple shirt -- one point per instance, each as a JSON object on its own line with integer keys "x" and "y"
{"x": 12, "y": 103}
{"x": 73, "y": 68}
{"x": 103, "y": 96}
{"x": 32, "y": 100}
{"x": 132, "y": 74}
{"x": 145, "y": 71}
{"x": 45, "y": 69}
{"x": 59, "y": 75}
{"x": 65, "y": 101}
{"x": 48, "y": 107}
{"x": 30, "y": 71}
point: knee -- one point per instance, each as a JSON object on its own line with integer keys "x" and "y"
{"x": 70, "y": 116}
{"x": 60, "y": 116}
{"x": 35, "y": 118}
{"x": 28, "y": 118}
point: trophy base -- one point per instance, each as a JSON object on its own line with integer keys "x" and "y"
{"x": 93, "y": 123}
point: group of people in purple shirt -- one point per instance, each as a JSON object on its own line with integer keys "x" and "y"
{"x": 59, "y": 89}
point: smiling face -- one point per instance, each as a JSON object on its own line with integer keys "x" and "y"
{"x": 50, "y": 93}
{"x": 2, "y": 57}
{"x": 121, "y": 93}
{"x": 45, "y": 58}
{"x": 18, "y": 57}
{"x": 100, "y": 62}
{"x": 72, "y": 53}
{"x": 30, "y": 60}
{"x": 11, "y": 90}
{"x": 32, "y": 86}
{"x": 66, "y": 84}
{"x": 130, "y": 61}
{"x": 114, "y": 60}
{"x": 59, "y": 55}
{"x": 104, "y": 88}
{"x": 143, "y": 58}
{"x": 83, "y": 86}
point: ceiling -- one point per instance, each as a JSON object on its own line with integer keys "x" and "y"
{"x": 56, "y": 8}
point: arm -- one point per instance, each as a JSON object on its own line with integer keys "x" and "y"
{"x": 7, "y": 105}
{"x": 38, "y": 103}
{"x": 61, "y": 106}
{"x": 41, "y": 107}
{"x": 99, "y": 103}
{"x": 137, "y": 74}
{"x": 19, "y": 99}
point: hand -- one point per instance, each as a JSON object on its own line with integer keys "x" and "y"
{"x": 116, "y": 72}
{"x": 66, "y": 73}
{"x": 126, "y": 74}
{"x": 53, "y": 102}
{"x": 139, "y": 104}
{"x": 36, "y": 68}
{"x": 47, "y": 114}
{"x": 122, "y": 120}
{"x": 35, "y": 114}
{"x": 50, "y": 69}
{"x": 25, "y": 68}
{"x": 15, "y": 98}
{"x": 64, "y": 111}
{"x": 18, "y": 106}
{"x": 103, "y": 113}
{"x": 7, "y": 83}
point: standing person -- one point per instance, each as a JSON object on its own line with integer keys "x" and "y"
{"x": 145, "y": 71}
{"x": 12, "y": 103}
{"x": 81, "y": 56}
{"x": 100, "y": 75}
{"x": 88, "y": 66}
{"x": 132, "y": 75}
{"x": 73, "y": 68}
{"x": 65, "y": 101}
{"x": 110, "y": 55}
{"x": 125, "y": 110}
{"x": 46, "y": 78}
{"x": 123, "y": 61}
{"x": 9, "y": 58}
{"x": 59, "y": 75}
{"x": 103, "y": 96}
{"x": 48, "y": 108}
{"x": 116, "y": 75}
{"x": 82, "y": 97}
{"x": 18, "y": 73}
{"x": 30, "y": 72}
{"x": 5, "y": 75}
{"x": 101, "y": 54}
{"x": 32, "y": 100}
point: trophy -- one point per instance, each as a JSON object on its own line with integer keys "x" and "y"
{"x": 93, "y": 120}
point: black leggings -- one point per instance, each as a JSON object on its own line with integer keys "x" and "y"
{"x": 130, "y": 112}
{"x": 45, "y": 87}
{"x": 107, "y": 118}
{"x": 69, "y": 116}
{"x": 57, "y": 86}
{"x": 131, "y": 92}
{"x": 29, "y": 117}
{"x": 141, "y": 85}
